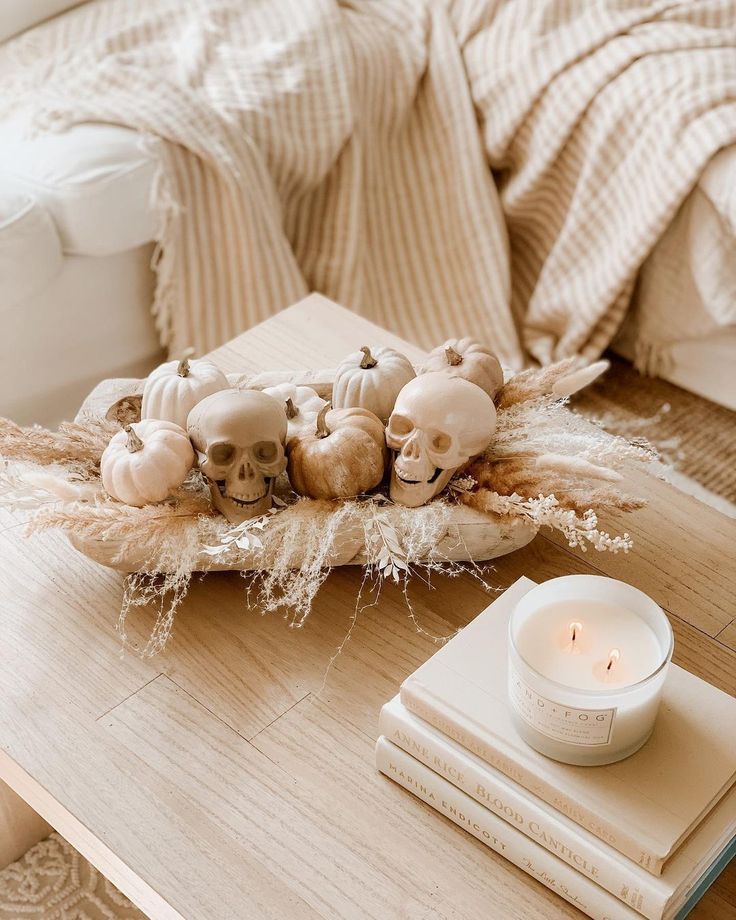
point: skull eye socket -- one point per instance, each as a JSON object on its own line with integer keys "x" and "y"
{"x": 265, "y": 451}
{"x": 441, "y": 442}
{"x": 400, "y": 426}
{"x": 221, "y": 454}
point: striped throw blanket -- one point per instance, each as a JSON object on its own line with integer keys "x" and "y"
{"x": 345, "y": 147}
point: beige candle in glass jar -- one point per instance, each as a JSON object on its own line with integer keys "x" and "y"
{"x": 588, "y": 657}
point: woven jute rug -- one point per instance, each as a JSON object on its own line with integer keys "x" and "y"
{"x": 53, "y": 882}
{"x": 696, "y": 438}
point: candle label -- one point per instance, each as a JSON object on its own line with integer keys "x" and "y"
{"x": 557, "y": 720}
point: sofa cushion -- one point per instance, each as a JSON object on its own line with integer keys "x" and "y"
{"x": 18, "y": 15}
{"x": 94, "y": 180}
{"x": 30, "y": 251}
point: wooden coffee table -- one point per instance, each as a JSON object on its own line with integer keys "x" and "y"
{"x": 232, "y": 776}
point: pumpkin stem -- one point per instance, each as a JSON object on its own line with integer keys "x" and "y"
{"x": 291, "y": 409}
{"x": 134, "y": 442}
{"x": 183, "y": 368}
{"x": 453, "y": 357}
{"x": 368, "y": 360}
{"x": 322, "y": 430}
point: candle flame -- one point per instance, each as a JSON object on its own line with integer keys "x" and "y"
{"x": 613, "y": 657}
{"x": 575, "y": 630}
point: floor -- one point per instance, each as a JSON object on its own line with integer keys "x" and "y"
{"x": 696, "y": 438}
{"x": 53, "y": 882}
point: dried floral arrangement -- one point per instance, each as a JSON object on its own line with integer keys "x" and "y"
{"x": 543, "y": 466}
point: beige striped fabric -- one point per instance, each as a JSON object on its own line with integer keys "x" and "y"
{"x": 306, "y": 145}
{"x": 318, "y": 145}
{"x": 597, "y": 118}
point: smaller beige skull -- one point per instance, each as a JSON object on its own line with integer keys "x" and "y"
{"x": 239, "y": 438}
{"x": 438, "y": 423}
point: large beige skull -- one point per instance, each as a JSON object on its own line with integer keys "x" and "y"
{"x": 239, "y": 438}
{"x": 438, "y": 423}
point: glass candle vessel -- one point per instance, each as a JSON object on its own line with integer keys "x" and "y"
{"x": 588, "y": 657}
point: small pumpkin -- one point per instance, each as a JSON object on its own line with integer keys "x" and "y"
{"x": 371, "y": 379}
{"x": 470, "y": 360}
{"x": 344, "y": 455}
{"x": 302, "y": 405}
{"x": 144, "y": 464}
{"x": 174, "y": 388}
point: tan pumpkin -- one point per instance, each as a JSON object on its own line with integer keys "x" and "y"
{"x": 371, "y": 379}
{"x": 470, "y": 360}
{"x": 342, "y": 457}
{"x": 174, "y": 388}
{"x": 144, "y": 464}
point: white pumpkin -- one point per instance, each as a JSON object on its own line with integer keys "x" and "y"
{"x": 371, "y": 379}
{"x": 302, "y": 405}
{"x": 174, "y": 388}
{"x": 144, "y": 464}
{"x": 468, "y": 359}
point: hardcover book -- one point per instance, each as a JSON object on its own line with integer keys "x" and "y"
{"x": 652, "y": 897}
{"x": 495, "y": 833}
{"x": 644, "y": 806}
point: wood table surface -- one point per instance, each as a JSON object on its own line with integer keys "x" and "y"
{"x": 232, "y": 776}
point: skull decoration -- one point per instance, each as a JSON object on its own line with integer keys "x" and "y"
{"x": 239, "y": 436}
{"x": 437, "y": 425}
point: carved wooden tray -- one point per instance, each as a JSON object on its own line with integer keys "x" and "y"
{"x": 470, "y": 535}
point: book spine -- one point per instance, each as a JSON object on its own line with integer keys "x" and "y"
{"x": 519, "y": 808}
{"x": 421, "y": 703}
{"x": 499, "y": 836}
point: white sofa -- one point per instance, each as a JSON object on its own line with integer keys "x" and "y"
{"x": 76, "y": 235}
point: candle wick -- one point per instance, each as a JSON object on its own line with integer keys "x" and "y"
{"x": 575, "y": 629}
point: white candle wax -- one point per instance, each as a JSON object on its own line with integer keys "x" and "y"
{"x": 589, "y": 645}
{"x": 588, "y": 657}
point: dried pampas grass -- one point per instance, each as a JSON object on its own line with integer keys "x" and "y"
{"x": 110, "y": 521}
{"x": 545, "y": 511}
{"x": 550, "y": 466}
{"x": 541, "y": 448}
{"x": 74, "y": 445}
{"x": 545, "y": 465}
{"x": 533, "y": 383}
{"x": 291, "y": 551}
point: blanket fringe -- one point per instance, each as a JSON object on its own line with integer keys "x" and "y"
{"x": 166, "y": 207}
{"x": 653, "y": 359}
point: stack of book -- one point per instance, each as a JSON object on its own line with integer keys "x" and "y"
{"x": 644, "y": 837}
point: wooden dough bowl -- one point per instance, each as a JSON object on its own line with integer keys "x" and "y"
{"x": 470, "y": 536}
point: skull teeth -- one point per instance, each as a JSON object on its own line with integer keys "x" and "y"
{"x": 418, "y": 482}
{"x": 246, "y": 501}
{"x": 241, "y": 499}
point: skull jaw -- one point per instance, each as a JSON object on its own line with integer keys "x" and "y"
{"x": 414, "y": 494}
{"x": 238, "y": 510}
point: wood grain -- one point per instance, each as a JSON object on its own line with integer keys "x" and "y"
{"x": 232, "y": 776}
{"x": 313, "y": 332}
{"x": 313, "y": 839}
{"x": 728, "y": 635}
